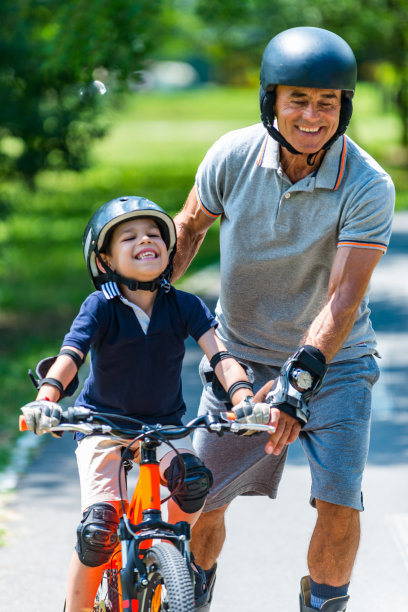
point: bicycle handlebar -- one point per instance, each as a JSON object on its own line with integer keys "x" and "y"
{"x": 86, "y": 421}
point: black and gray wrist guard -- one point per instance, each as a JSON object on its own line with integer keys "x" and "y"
{"x": 43, "y": 367}
{"x": 209, "y": 376}
{"x": 300, "y": 378}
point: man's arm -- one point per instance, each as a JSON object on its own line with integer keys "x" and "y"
{"x": 351, "y": 272}
{"x": 192, "y": 225}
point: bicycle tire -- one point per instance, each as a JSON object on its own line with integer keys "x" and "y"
{"x": 107, "y": 597}
{"x": 169, "y": 586}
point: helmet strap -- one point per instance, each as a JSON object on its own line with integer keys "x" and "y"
{"x": 312, "y": 158}
{"x": 267, "y": 100}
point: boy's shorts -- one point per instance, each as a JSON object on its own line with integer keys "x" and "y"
{"x": 335, "y": 440}
{"x": 98, "y": 459}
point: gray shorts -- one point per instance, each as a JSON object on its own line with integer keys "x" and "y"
{"x": 335, "y": 440}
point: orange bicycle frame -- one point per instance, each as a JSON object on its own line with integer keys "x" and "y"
{"x": 146, "y": 496}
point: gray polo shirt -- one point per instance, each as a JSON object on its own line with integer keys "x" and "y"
{"x": 278, "y": 240}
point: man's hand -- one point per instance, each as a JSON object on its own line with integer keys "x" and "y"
{"x": 287, "y": 431}
{"x": 287, "y": 428}
{"x": 41, "y": 415}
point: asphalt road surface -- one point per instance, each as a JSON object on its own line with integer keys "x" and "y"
{"x": 265, "y": 552}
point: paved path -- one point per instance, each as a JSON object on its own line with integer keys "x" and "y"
{"x": 265, "y": 552}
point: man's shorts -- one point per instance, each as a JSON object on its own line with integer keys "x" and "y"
{"x": 98, "y": 459}
{"x": 335, "y": 440}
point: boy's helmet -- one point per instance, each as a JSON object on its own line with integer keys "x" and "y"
{"x": 99, "y": 230}
{"x": 307, "y": 57}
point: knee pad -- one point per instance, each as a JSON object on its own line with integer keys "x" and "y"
{"x": 97, "y": 535}
{"x": 197, "y": 482}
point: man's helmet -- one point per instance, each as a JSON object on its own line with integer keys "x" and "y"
{"x": 307, "y": 57}
{"x": 99, "y": 230}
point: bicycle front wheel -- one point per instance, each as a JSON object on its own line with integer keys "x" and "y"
{"x": 170, "y": 588}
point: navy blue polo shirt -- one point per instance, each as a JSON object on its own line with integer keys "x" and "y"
{"x": 131, "y": 372}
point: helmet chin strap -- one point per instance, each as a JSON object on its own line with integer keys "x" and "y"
{"x": 276, "y": 135}
{"x": 135, "y": 285}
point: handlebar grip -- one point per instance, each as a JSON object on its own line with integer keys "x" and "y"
{"x": 22, "y": 425}
{"x": 231, "y": 416}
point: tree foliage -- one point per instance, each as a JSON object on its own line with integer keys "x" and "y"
{"x": 52, "y": 54}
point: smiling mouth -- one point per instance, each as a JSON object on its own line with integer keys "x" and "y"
{"x": 309, "y": 130}
{"x": 146, "y": 255}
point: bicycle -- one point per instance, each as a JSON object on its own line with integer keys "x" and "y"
{"x": 150, "y": 569}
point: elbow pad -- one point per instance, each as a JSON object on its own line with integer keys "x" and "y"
{"x": 43, "y": 368}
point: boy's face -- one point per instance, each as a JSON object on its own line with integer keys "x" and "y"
{"x": 137, "y": 250}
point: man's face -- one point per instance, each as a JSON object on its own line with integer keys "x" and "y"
{"x": 307, "y": 117}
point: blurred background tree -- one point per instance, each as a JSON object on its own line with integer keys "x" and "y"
{"x": 56, "y": 59}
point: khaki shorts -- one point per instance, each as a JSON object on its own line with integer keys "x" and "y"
{"x": 98, "y": 459}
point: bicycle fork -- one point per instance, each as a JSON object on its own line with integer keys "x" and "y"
{"x": 143, "y": 525}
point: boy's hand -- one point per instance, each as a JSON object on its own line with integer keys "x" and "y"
{"x": 248, "y": 411}
{"x": 41, "y": 415}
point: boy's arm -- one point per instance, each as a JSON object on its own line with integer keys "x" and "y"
{"x": 63, "y": 369}
{"x": 228, "y": 371}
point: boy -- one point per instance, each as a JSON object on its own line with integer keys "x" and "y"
{"x": 134, "y": 325}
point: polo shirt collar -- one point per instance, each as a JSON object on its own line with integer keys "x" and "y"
{"x": 110, "y": 290}
{"x": 330, "y": 173}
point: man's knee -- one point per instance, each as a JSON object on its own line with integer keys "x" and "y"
{"x": 328, "y": 509}
{"x": 97, "y": 535}
{"x": 213, "y": 520}
{"x": 338, "y": 521}
{"x": 191, "y": 491}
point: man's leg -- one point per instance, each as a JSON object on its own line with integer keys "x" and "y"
{"x": 331, "y": 557}
{"x": 208, "y": 537}
{"x": 336, "y": 442}
{"x": 334, "y": 544}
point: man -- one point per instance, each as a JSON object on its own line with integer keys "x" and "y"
{"x": 305, "y": 217}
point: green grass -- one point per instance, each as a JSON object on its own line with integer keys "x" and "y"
{"x": 153, "y": 149}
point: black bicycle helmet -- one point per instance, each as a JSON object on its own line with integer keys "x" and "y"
{"x": 307, "y": 57}
{"x": 99, "y": 230}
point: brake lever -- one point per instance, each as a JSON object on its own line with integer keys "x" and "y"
{"x": 230, "y": 423}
